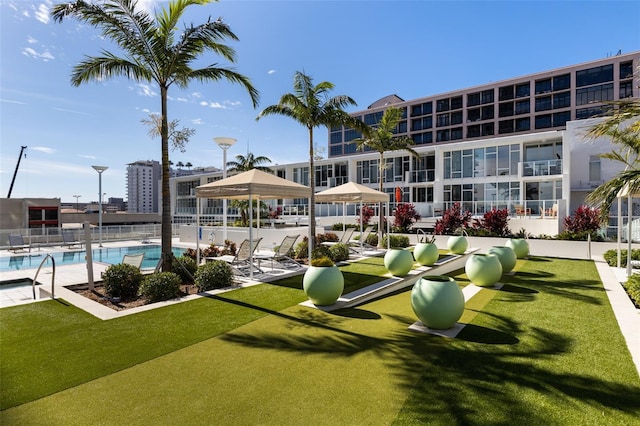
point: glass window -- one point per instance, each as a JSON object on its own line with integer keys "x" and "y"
{"x": 626, "y": 70}
{"x": 560, "y": 118}
{"x": 442, "y": 135}
{"x": 442, "y": 120}
{"x": 561, "y": 82}
{"x": 487, "y": 112}
{"x": 523, "y": 124}
{"x": 626, "y": 90}
{"x": 467, "y": 163}
{"x": 473, "y": 131}
{"x": 594, "y": 94}
{"x": 350, "y": 148}
{"x": 421, "y": 123}
{"x": 594, "y": 75}
{"x": 456, "y": 102}
{"x": 487, "y": 96}
{"x": 562, "y": 100}
{"x": 505, "y": 109}
{"x": 456, "y": 133}
{"x": 522, "y": 107}
{"x": 456, "y": 164}
{"x": 442, "y": 105}
{"x": 335, "y": 138}
{"x": 422, "y": 138}
{"x": 505, "y": 93}
{"x": 515, "y": 158}
{"x": 583, "y": 113}
{"x": 456, "y": 117}
{"x": 487, "y": 129}
{"x": 490, "y": 161}
{"x": 473, "y": 115}
{"x": 505, "y": 126}
{"x": 402, "y": 127}
{"x": 422, "y": 109}
{"x": 594, "y": 168}
{"x": 543, "y": 121}
{"x": 523, "y": 90}
{"x": 373, "y": 118}
{"x": 473, "y": 99}
{"x": 543, "y": 103}
{"x": 543, "y": 86}
{"x": 478, "y": 161}
{"x": 335, "y": 150}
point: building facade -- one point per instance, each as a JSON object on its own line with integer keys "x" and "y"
{"x": 517, "y": 144}
{"x": 143, "y": 186}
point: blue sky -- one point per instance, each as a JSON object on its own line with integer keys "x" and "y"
{"x": 368, "y": 49}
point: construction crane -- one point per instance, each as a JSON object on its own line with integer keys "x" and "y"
{"x": 16, "y": 171}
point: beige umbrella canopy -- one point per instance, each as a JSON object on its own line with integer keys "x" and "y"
{"x": 253, "y": 183}
{"x": 352, "y": 192}
{"x": 246, "y": 186}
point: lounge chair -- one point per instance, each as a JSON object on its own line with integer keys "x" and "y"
{"x": 16, "y": 242}
{"x": 241, "y": 262}
{"x": 346, "y": 237}
{"x": 69, "y": 239}
{"x": 133, "y": 259}
{"x": 282, "y": 254}
{"x": 362, "y": 240}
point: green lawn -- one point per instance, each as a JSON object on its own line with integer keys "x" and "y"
{"x": 545, "y": 349}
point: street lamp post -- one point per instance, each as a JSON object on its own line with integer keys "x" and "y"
{"x": 225, "y": 144}
{"x": 76, "y": 197}
{"x": 100, "y": 169}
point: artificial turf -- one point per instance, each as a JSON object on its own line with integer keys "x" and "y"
{"x": 543, "y": 349}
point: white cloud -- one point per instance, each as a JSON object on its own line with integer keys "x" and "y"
{"x": 216, "y": 105}
{"x": 45, "y": 55}
{"x": 90, "y": 157}
{"x": 197, "y": 121}
{"x": 43, "y": 149}
{"x": 203, "y": 103}
{"x": 42, "y": 13}
{"x": 9, "y": 101}
{"x": 197, "y": 95}
{"x": 31, "y": 40}
{"x": 70, "y": 110}
{"x": 182, "y": 99}
{"x": 145, "y": 90}
{"x": 271, "y": 72}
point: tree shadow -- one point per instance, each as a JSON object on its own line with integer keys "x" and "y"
{"x": 357, "y": 313}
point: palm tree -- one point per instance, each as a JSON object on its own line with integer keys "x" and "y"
{"x": 180, "y": 165}
{"x": 312, "y": 107}
{"x": 188, "y": 165}
{"x": 381, "y": 138}
{"x": 250, "y": 162}
{"x": 244, "y": 164}
{"x": 622, "y": 125}
{"x": 154, "y": 50}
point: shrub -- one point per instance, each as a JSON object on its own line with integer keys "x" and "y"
{"x": 328, "y": 237}
{"x": 367, "y": 213}
{"x": 405, "y": 216}
{"x": 322, "y": 261}
{"x": 192, "y": 253}
{"x": 452, "y": 221}
{"x": 339, "y": 252}
{"x": 579, "y": 235}
{"x": 187, "y": 263}
{"x": 214, "y": 274}
{"x": 611, "y": 257}
{"x": 122, "y": 280}
{"x": 338, "y": 226}
{"x": 372, "y": 239}
{"x": 397, "y": 241}
{"x": 160, "y": 286}
{"x": 632, "y": 286}
{"x": 320, "y": 251}
{"x": 302, "y": 249}
{"x": 495, "y": 222}
{"x": 583, "y": 219}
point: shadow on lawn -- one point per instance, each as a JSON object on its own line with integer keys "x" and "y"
{"x": 457, "y": 378}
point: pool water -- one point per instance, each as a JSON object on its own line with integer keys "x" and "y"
{"x": 103, "y": 255}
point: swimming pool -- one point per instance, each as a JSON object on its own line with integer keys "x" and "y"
{"x": 104, "y": 255}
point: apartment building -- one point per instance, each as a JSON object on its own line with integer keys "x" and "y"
{"x": 143, "y": 186}
{"x": 513, "y": 143}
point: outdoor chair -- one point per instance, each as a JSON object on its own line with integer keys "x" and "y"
{"x": 345, "y": 239}
{"x": 552, "y": 212}
{"x": 241, "y": 262}
{"x": 362, "y": 241}
{"x": 16, "y": 242}
{"x": 521, "y": 211}
{"x": 133, "y": 259}
{"x": 282, "y": 252}
{"x": 69, "y": 239}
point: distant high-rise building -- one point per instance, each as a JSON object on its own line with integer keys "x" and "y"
{"x": 143, "y": 186}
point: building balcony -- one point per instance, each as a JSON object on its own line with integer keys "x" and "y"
{"x": 541, "y": 168}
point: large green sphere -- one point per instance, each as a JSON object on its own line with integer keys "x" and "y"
{"x": 323, "y": 285}
{"x": 520, "y": 247}
{"x": 506, "y": 255}
{"x": 484, "y": 270}
{"x": 437, "y": 301}
{"x": 457, "y": 244}
{"x": 398, "y": 261}
{"x": 426, "y": 254}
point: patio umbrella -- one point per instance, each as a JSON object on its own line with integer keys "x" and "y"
{"x": 352, "y": 192}
{"x": 246, "y": 186}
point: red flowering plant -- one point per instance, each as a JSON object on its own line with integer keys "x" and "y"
{"x": 453, "y": 220}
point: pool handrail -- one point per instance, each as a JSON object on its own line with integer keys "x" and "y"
{"x": 53, "y": 276}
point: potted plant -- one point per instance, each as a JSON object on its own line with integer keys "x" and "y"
{"x": 323, "y": 282}
{"x": 458, "y": 244}
{"x": 398, "y": 261}
{"x": 484, "y": 270}
{"x": 426, "y": 251}
{"x": 437, "y": 301}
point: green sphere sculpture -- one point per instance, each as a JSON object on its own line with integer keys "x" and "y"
{"x": 437, "y": 301}
{"x": 506, "y": 255}
{"x": 520, "y": 246}
{"x": 426, "y": 254}
{"x": 484, "y": 270}
{"x": 323, "y": 285}
{"x": 457, "y": 244}
{"x": 398, "y": 262}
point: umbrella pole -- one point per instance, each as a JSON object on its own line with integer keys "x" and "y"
{"x": 250, "y": 237}
{"x": 197, "y": 231}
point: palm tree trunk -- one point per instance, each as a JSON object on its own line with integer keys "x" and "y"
{"x": 312, "y": 198}
{"x": 166, "y": 197}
